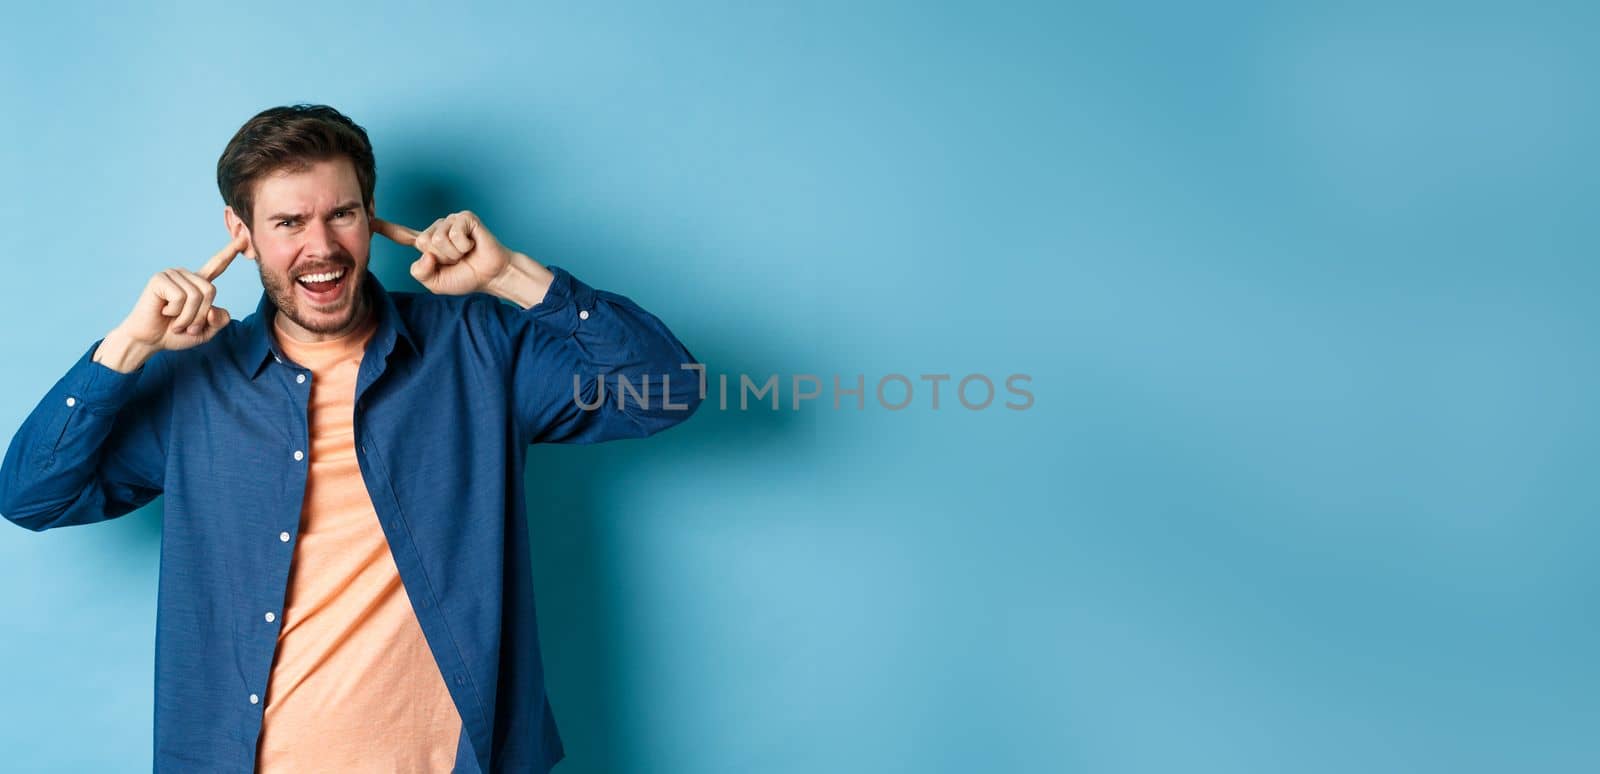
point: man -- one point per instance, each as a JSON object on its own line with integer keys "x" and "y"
{"x": 345, "y": 579}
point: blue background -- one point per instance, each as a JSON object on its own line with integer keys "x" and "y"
{"x": 1307, "y": 297}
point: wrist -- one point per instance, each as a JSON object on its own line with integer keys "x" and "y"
{"x": 120, "y": 353}
{"x": 523, "y": 281}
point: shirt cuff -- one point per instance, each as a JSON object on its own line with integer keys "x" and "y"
{"x": 567, "y": 301}
{"x": 97, "y": 387}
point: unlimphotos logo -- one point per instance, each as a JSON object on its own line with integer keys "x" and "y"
{"x": 975, "y": 391}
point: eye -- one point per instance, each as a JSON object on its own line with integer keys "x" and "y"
{"x": 340, "y": 213}
{"x": 286, "y": 221}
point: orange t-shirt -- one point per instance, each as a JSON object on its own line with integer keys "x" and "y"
{"x": 354, "y": 687}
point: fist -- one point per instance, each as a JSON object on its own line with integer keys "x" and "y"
{"x": 175, "y": 310}
{"x": 459, "y": 255}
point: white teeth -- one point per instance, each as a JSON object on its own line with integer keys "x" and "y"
{"x": 323, "y": 277}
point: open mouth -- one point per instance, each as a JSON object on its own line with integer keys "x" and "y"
{"x": 323, "y": 287}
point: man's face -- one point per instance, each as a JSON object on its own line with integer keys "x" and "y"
{"x": 311, "y": 224}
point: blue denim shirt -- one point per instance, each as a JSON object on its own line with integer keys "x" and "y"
{"x": 450, "y": 393}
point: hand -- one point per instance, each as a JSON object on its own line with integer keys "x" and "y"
{"x": 459, "y": 255}
{"x": 175, "y": 310}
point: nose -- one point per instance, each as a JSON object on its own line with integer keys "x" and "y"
{"x": 319, "y": 242}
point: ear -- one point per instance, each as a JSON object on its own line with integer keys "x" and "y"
{"x": 236, "y": 227}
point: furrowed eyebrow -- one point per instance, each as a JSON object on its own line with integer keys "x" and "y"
{"x": 277, "y": 216}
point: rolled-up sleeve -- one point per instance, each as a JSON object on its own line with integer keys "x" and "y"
{"x": 590, "y": 365}
{"x": 92, "y": 449}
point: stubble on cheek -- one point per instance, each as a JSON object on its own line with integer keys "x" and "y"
{"x": 282, "y": 295}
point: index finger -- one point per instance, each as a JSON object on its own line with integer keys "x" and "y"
{"x": 395, "y": 232}
{"x": 220, "y": 261}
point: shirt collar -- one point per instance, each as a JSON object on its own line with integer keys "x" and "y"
{"x": 257, "y": 345}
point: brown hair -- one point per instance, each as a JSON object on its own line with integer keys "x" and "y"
{"x": 291, "y": 137}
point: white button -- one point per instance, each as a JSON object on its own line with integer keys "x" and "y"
{"x": 299, "y": 455}
{"x": 72, "y": 401}
{"x": 283, "y": 536}
{"x": 300, "y": 378}
{"x": 270, "y": 616}
{"x": 583, "y": 315}
{"x": 254, "y": 699}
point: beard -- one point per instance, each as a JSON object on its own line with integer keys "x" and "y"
{"x": 324, "y": 320}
